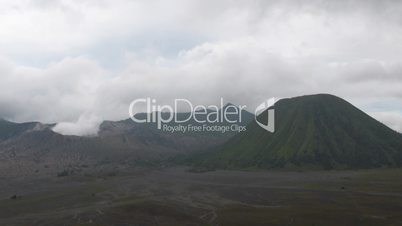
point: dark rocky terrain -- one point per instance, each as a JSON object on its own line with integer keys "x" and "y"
{"x": 32, "y": 149}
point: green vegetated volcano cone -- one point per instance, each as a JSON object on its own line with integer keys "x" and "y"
{"x": 316, "y": 131}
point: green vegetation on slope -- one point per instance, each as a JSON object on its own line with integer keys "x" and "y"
{"x": 315, "y": 131}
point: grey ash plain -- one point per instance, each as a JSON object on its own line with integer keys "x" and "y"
{"x": 177, "y": 196}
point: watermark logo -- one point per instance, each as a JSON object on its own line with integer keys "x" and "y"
{"x": 269, "y": 107}
{"x": 198, "y": 118}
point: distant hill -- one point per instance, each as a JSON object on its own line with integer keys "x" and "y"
{"x": 316, "y": 131}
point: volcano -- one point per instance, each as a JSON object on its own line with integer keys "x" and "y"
{"x": 314, "y": 131}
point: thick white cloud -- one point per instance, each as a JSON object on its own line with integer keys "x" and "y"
{"x": 61, "y": 91}
{"x": 243, "y": 51}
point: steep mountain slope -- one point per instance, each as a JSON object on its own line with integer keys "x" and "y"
{"x": 318, "y": 131}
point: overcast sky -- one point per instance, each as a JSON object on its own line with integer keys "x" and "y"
{"x": 80, "y": 62}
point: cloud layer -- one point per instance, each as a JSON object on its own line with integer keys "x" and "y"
{"x": 81, "y": 62}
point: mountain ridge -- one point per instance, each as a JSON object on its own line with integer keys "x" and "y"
{"x": 26, "y": 148}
